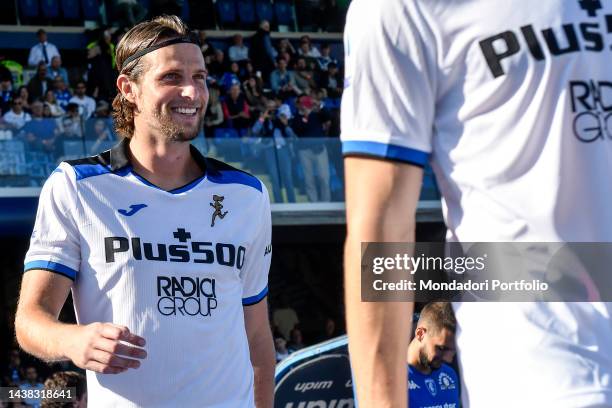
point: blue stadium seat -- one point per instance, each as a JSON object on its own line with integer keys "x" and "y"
{"x": 29, "y": 8}
{"x": 186, "y": 11}
{"x": 264, "y": 10}
{"x": 91, "y": 9}
{"x": 50, "y": 8}
{"x": 284, "y": 13}
{"x": 71, "y": 9}
{"x": 227, "y": 13}
{"x": 246, "y": 13}
{"x": 226, "y": 133}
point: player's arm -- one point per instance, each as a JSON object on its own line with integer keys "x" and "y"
{"x": 261, "y": 348}
{"x": 381, "y": 200}
{"x": 95, "y": 346}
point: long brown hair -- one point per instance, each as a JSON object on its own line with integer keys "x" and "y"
{"x": 139, "y": 37}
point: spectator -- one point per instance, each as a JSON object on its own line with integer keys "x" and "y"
{"x": 307, "y": 49}
{"x": 218, "y": 65}
{"x": 282, "y": 81}
{"x": 56, "y": 69}
{"x": 87, "y": 105}
{"x": 31, "y": 383}
{"x": 101, "y": 133}
{"x": 24, "y": 94}
{"x": 325, "y": 59}
{"x": 43, "y": 51}
{"x": 40, "y": 133}
{"x": 47, "y": 111}
{"x": 238, "y": 52}
{"x": 64, "y": 380}
{"x": 51, "y": 101}
{"x": 261, "y": 52}
{"x": 231, "y": 77}
{"x": 208, "y": 51}
{"x": 16, "y": 118}
{"x": 39, "y": 83}
{"x": 13, "y": 374}
{"x": 70, "y": 125}
{"x": 214, "y": 114}
{"x": 236, "y": 110}
{"x": 277, "y": 137}
{"x": 102, "y": 74}
{"x": 285, "y": 46}
{"x": 433, "y": 345}
{"x": 6, "y": 92}
{"x": 295, "y": 341}
{"x": 284, "y": 317}
{"x": 62, "y": 93}
{"x": 331, "y": 81}
{"x": 280, "y": 345}
{"x": 254, "y": 93}
{"x": 102, "y": 110}
{"x": 313, "y": 153}
{"x": 304, "y": 77}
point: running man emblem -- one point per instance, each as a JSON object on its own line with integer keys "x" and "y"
{"x": 218, "y": 207}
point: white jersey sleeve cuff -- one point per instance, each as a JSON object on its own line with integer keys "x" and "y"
{"x": 385, "y": 151}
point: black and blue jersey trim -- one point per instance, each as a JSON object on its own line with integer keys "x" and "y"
{"x": 385, "y": 151}
{"x": 116, "y": 161}
{"x": 51, "y": 266}
{"x": 252, "y": 300}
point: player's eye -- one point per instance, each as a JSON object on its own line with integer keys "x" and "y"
{"x": 171, "y": 76}
{"x": 200, "y": 77}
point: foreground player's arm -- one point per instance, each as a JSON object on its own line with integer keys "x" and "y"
{"x": 381, "y": 199}
{"x": 95, "y": 346}
{"x": 261, "y": 349}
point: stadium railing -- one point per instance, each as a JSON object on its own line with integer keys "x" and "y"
{"x": 29, "y": 155}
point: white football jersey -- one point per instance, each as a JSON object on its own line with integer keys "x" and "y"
{"x": 174, "y": 267}
{"x": 510, "y": 101}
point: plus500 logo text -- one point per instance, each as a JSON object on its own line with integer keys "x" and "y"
{"x": 196, "y": 252}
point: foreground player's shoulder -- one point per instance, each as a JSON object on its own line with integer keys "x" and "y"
{"x": 90, "y": 166}
{"x": 223, "y": 173}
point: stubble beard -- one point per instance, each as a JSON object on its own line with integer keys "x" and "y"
{"x": 175, "y": 132}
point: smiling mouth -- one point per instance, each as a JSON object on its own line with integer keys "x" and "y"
{"x": 186, "y": 111}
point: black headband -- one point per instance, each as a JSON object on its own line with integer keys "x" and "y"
{"x": 189, "y": 39}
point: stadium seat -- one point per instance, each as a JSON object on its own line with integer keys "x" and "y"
{"x": 70, "y": 9}
{"x": 91, "y": 9}
{"x": 29, "y": 9}
{"x": 264, "y": 10}
{"x": 50, "y": 9}
{"x": 226, "y": 133}
{"x": 246, "y": 14}
{"x": 284, "y": 14}
{"x": 227, "y": 13}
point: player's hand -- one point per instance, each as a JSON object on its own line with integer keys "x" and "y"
{"x": 106, "y": 348}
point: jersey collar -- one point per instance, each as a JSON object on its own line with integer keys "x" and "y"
{"x": 120, "y": 156}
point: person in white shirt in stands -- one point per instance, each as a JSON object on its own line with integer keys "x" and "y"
{"x": 238, "y": 52}
{"x": 16, "y": 117}
{"x": 87, "y": 104}
{"x": 43, "y": 51}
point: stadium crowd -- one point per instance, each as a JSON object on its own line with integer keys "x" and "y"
{"x": 268, "y": 92}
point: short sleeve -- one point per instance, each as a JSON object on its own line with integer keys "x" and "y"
{"x": 389, "y": 87}
{"x": 254, "y": 273}
{"x": 54, "y": 245}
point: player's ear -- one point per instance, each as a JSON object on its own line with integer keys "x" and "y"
{"x": 420, "y": 333}
{"x": 127, "y": 88}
